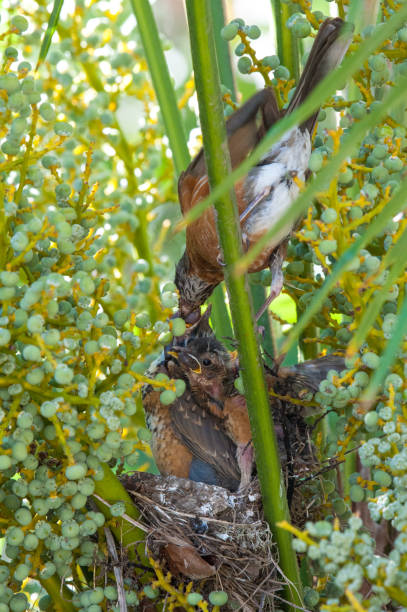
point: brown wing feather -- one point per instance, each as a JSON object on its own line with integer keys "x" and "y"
{"x": 202, "y": 435}
{"x": 310, "y": 373}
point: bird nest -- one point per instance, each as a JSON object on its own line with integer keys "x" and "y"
{"x": 220, "y": 539}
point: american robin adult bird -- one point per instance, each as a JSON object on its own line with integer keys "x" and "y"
{"x": 265, "y": 194}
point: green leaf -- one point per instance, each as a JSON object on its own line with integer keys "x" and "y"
{"x": 51, "y": 27}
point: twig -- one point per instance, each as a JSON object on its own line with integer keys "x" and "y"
{"x": 121, "y": 596}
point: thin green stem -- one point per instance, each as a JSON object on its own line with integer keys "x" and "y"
{"x": 162, "y": 83}
{"x": 222, "y": 47}
{"x": 287, "y": 44}
{"x": 218, "y": 165}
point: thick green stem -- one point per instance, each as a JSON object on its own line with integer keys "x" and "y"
{"x": 218, "y": 165}
{"x": 162, "y": 83}
{"x": 287, "y": 44}
{"x": 112, "y": 491}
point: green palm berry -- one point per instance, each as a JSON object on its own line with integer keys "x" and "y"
{"x": 272, "y": 61}
{"x": 19, "y": 241}
{"x": 150, "y": 592}
{"x": 382, "y": 478}
{"x": 345, "y": 177}
{"x": 253, "y": 32}
{"x": 31, "y": 542}
{"x": 62, "y": 128}
{"x": 118, "y": 509}
{"x": 5, "y": 336}
{"x": 281, "y": 72}
{"x": 301, "y": 29}
{"x": 380, "y": 151}
{"x": 20, "y": 23}
{"x": 378, "y": 62}
{"x": 143, "y": 320}
{"x": 141, "y": 265}
{"x": 180, "y": 387}
{"x": 315, "y": 161}
{"x": 18, "y": 603}
{"x": 229, "y": 31}
{"x": 19, "y": 451}
{"x": 31, "y": 353}
{"x": 47, "y": 112}
{"x": 311, "y": 597}
{"x": 356, "y": 493}
{"x": 10, "y": 83}
{"x": 17, "y": 101}
{"x": 371, "y": 360}
{"x": 240, "y": 49}
{"x": 178, "y": 326}
{"x": 380, "y": 174}
{"x": 165, "y": 337}
{"x": 329, "y": 215}
{"x": 23, "y": 516}
{"x": 244, "y": 64}
{"x": 394, "y": 164}
{"x": 194, "y": 598}
{"x": 358, "y": 110}
{"x": 167, "y": 397}
{"x": 75, "y": 472}
{"x": 218, "y": 598}
{"x": 14, "y": 536}
{"x": 63, "y": 374}
{"x": 328, "y": 246}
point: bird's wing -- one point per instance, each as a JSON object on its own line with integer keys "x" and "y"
{"x": 202, "y": 434}
{"x": 311, "y": 373}
{"x": 245, "y": 128}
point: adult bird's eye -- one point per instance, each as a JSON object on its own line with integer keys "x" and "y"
{"x": 206, "y": 362}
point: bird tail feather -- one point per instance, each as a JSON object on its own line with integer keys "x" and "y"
{"x": 330, "y": 45}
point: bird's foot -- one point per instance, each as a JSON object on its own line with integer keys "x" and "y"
{"x": 220, "y": 260}
{"x": 276, "y": 267}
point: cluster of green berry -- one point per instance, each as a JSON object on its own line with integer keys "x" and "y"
{"x": 85, "y": 307}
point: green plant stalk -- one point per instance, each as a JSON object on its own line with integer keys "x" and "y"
{"x": 220, "y": 313}
{"x": 220, "y": 317}
{"x": 318, "y": 96}
{"x": 395, "y": 205}
{"x": 162, "y": 83}
{"x": 60, "y": 595}
{"x": 112, "y": 491}
{"x": 388, "y": 357}
{"x": 218, "y": 165}
{"x": 222, "y": 47}
{"x": 287, "y": 44}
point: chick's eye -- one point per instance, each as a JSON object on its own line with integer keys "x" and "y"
{"x": 206, "y": 362}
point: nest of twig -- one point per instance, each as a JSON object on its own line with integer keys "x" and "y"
{"x": 219, "y": 539}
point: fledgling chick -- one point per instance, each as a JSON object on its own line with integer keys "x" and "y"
{"x": 264, "y": 195}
